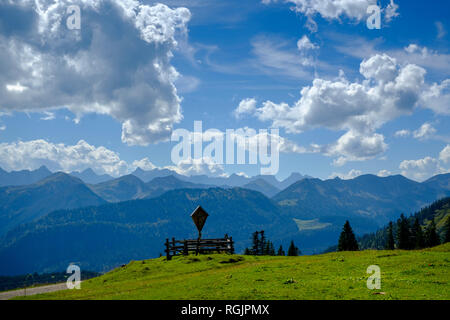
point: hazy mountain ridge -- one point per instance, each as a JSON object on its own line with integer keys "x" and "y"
{"x": 23, "y": 177}
{"x": 21, "y": 204}
{"x": 310, "y": 211}
{"x": 108, "y": 235}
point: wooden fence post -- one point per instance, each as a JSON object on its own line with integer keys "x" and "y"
{"x": 232, "y": 245}
{"x": 167, "y": 249}
{"x": 185, "y": 248}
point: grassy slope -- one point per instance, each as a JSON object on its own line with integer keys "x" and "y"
{"x": 421, "y": 274}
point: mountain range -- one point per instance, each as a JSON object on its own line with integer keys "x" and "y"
{"x": 100, "y": 235}
{"x": 272, "y": 185}
{"x": 22, "y": 204}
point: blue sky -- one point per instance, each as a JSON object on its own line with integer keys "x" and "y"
{"x": 373, "y": 101}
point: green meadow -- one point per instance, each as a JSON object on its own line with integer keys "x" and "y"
{"x": 421, "y": 274}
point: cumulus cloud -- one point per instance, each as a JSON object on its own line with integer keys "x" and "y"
{"x": 117, "y": 64}
{"x": 246, "y": 106}
{"x": 384, "y": 173}
{"x": 144, "y": 164}
{"x": 424, "y": 132}
{"x": 305, "y": 44}
{"x": 355, "y": 10}
{"x": 420, "y": 169}
{"x": 60, "y": 157}
{"x": 388, "y": 91}
{"x": 444, "y": 155}
{"x": 355, "y": 147}
{"x": 423, "y": 169}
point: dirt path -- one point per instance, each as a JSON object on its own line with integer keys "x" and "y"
{"x": 30, "y": 291}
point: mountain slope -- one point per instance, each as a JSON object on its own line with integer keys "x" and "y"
{"x": 23, "y": 177}
{"x": 109, "y": 235}
{"x": 131, "y": 187}
{"x": 439, "y": 211}
{"x": 25, "y": 203}
{"x": 441, "y": 181}
{"x": 262, "y": 186}
{"x": 366, "y": 197}
{"x": 121, "y": 189}
{"x": 89, "y": 176}
{"x": 424, "y": 274}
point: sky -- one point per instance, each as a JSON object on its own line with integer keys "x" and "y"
{"x": 108, "y": 93}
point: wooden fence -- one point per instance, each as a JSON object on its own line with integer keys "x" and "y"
{"x": 178, "y": 247}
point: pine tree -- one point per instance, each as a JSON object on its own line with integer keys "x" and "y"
{"x": 418, "y": 240}
{"x": 347, "y": 239}
{"x": 390, "y": 242}
{"x": 247, "y": 252}
{"x": 281, "y": 251}
{"x": 267, "y": 249}
{"x": 447, "y": 231}
{"x": 262, "y": 243}
{"x": 293, "y": 250}
{"x": 431, "y": 236}
{"x": 271, "y": 251}
{"x": 255, "y": 243}
{"x": 403, "y": 234}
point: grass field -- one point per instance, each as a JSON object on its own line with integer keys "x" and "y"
{"x": 423, "y": 274}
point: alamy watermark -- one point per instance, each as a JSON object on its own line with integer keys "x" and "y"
{"x": 74, "y": 281}
{"x": 374, "y": 281}
{"x": 73, "y": 21}
{"x": 252, "y": 147}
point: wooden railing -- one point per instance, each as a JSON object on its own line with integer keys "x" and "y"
{"x": 183, "y": 247}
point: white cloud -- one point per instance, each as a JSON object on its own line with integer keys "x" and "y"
{"x": 355, "y": 147}
{"x": 391, "y": 11}
{"x": 144, "y": 164}
{"x": 444, "y": 155}
{"x": 305, "y": 44}
{"x": 48, "y": 116}
{"x": 246, "y": 106}
{"x": 346, "y": 176}
{"x": 420, "y": 169}
{"x": 16, "y": 87}
{"x": 60, "y": 157}
{"x": 384, "y": 173}
{"x": 424, "y": 132}
{"x": 200, "y": 166}
{"x": 90, "y": 70}
{"x": 388, "y": 91}
{"x": 355, "y": 10}
{"x": 437, "y": 97}
{"x": 402, "y": 133}
{"x": 427, "y": 167}
{"x": 441, "y": 32}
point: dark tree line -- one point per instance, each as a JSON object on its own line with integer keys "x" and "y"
{"x": 405, "y": 235}
{"x": 261, "y": 246}
{"x": 411, "y": 235}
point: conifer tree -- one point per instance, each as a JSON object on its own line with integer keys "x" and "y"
{"x": 431, "y": 236}
{"x": 347, "y": 239}
{"x": 281, "y": 251}
{"x": 390, "y": 242}
{"x": 418, "y": 240}
{"x": 255, "y": 243}
{"x": 403, "y": 234}
{"x": 447, "y": 231}
{"x": 262, "y": 243}
{"x": 293, "y": 250}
